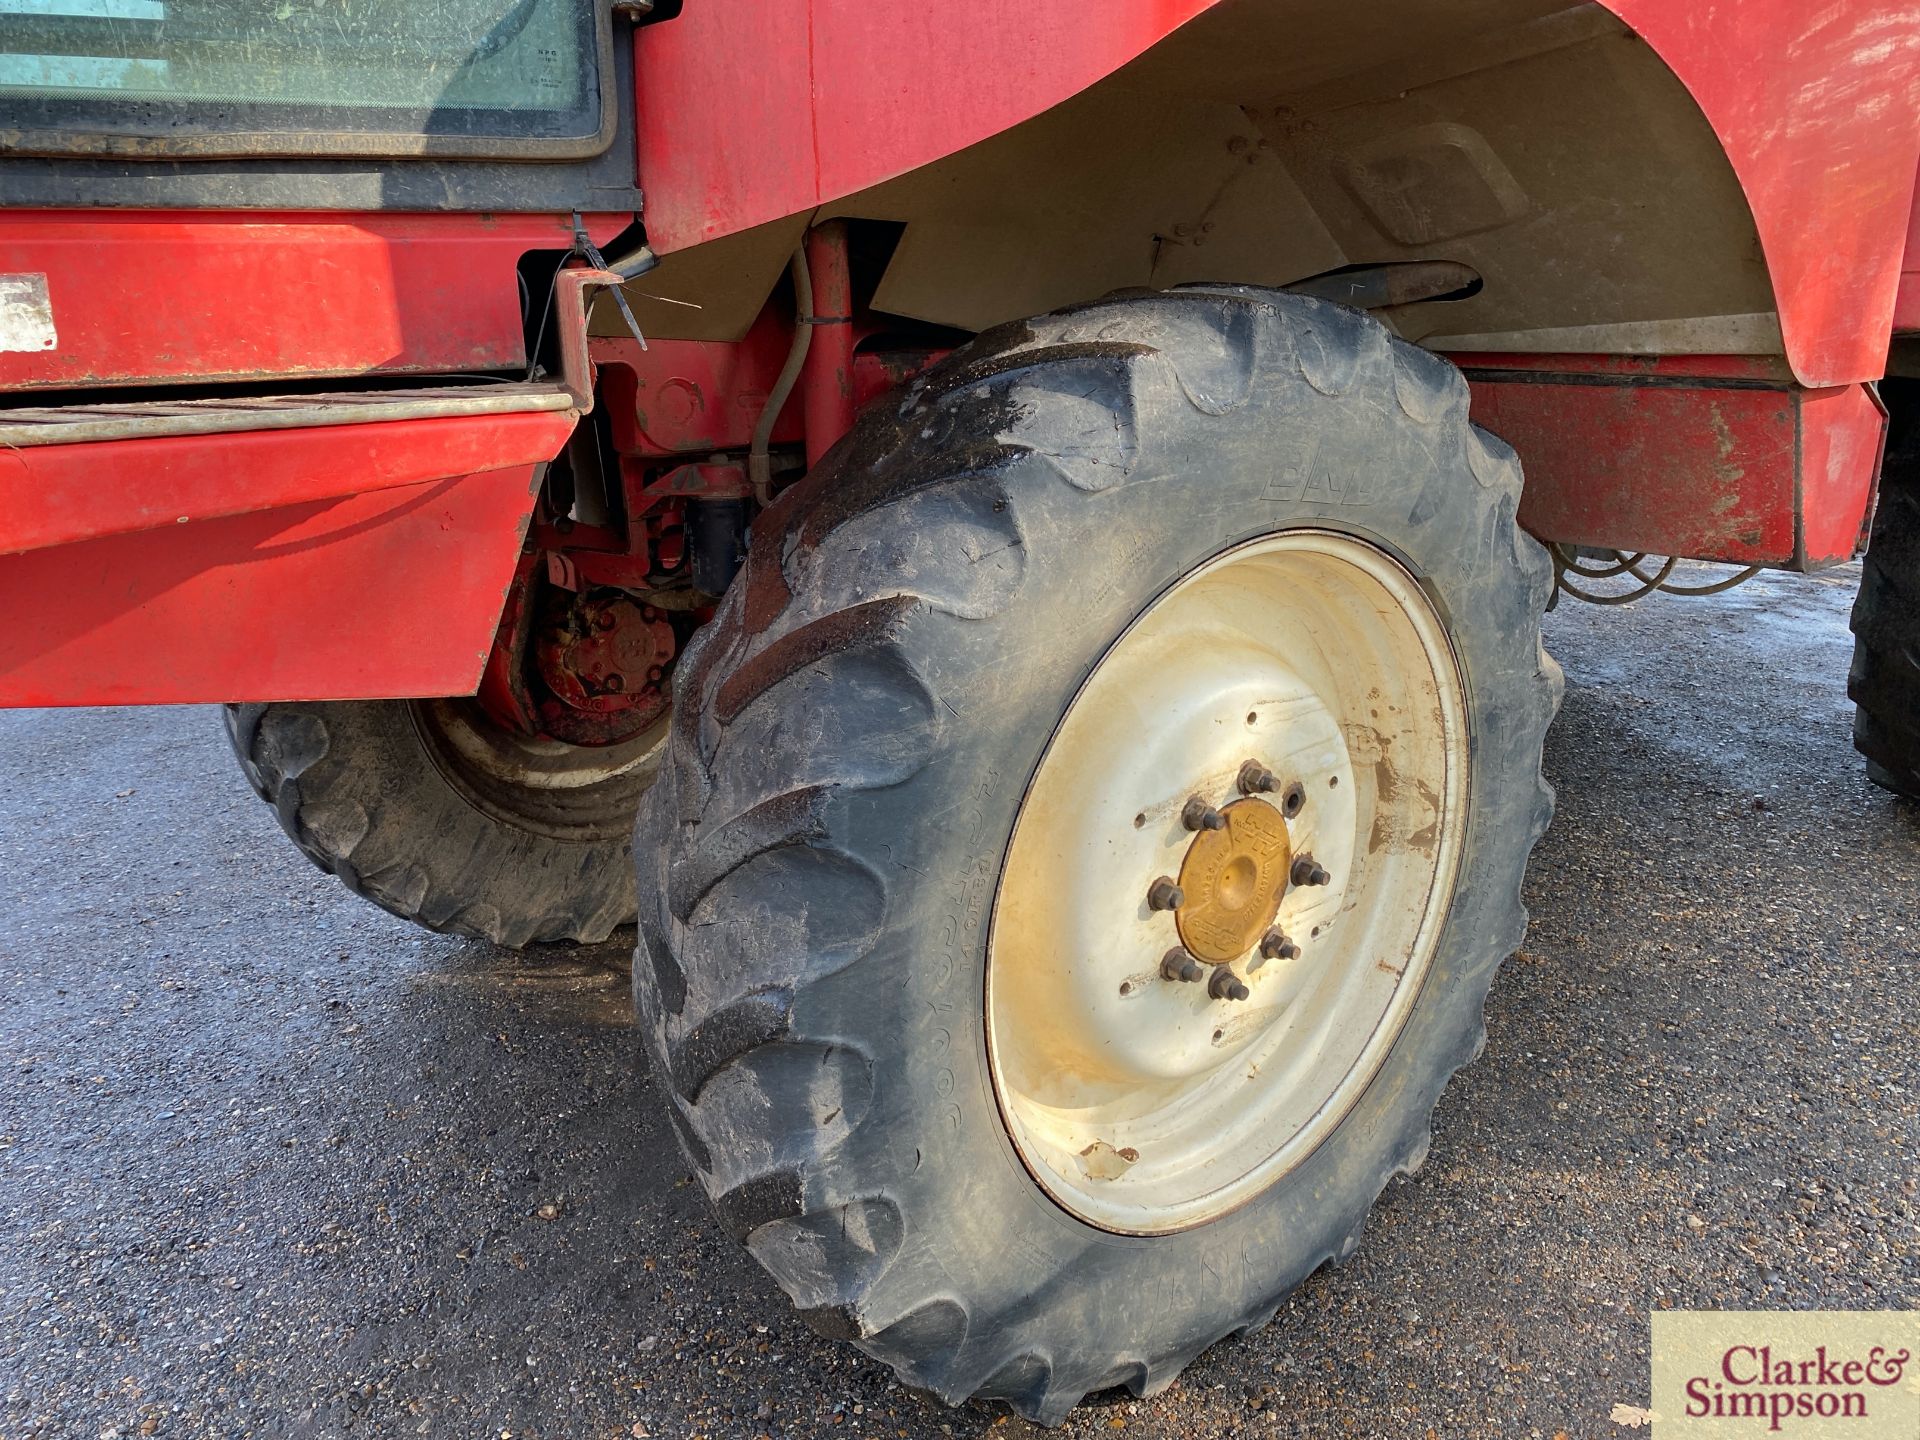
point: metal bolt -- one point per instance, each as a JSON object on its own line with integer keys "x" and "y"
{"x": 1197, "y": 814}
{"x": 1294, "y": 800}
{"x": 1225, "y": 985}
{"x": 1307, "y": 872}
{"x": 605, "y": 620}
{"x": 616, "y": 682}
{"x": 1256, "y": 779}
{"x": 1164, "y": 894}
{"x": 1177, "y": 964}
{"x": 1274, "y": 945}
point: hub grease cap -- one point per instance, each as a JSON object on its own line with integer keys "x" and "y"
{"x": 1234, "y": 878}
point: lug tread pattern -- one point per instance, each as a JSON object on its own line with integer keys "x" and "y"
{"x": 355, "y": 791}
{"x": 1884, "y": 679}
{"x": 1221, "y": 342}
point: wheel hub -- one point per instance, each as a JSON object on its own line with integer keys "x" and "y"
{"x": 1234, "y": 879}
{"x": 604, "y": 657}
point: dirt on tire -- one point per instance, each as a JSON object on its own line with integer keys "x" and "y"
{"x": 852, "y": 739}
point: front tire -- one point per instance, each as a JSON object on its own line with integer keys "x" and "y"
{"x": 856, "y": 739}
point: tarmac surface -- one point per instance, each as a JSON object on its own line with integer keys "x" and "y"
{"x": 273, "y": 1163}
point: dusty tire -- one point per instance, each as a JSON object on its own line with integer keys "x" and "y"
{"x": 371, "y": 792}
{"x": 853, "y": 737}
{"x": 1884, "y": 681}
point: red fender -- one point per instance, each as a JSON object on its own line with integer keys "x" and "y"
{"x": 1817, "y": 107}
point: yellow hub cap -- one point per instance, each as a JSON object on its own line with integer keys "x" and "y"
{"x": 1233, "y": 879}
{"x": 1156, "y": 1065}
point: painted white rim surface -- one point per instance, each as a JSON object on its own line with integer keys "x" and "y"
{"x": 1141, "y": 1104}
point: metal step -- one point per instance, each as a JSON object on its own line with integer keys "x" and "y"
{"x": 153, "y": 419}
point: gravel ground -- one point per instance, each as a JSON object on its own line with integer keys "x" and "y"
{"x": 272, "y": 1163}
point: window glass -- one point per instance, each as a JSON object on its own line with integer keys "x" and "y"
{"x": 165, "y": 68}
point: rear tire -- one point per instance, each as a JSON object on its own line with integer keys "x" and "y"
{"x": 1884, "y": 680}
{"x": 854, "y": 739}
{"x": 427, "y": 810}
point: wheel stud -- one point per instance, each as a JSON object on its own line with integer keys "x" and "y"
{"x": 1307, "y": 872}
{"x": 1197, "y": 814}
{"x": 1256, "y": 779}
{"x": 1225, "y": 985}
{"x": 1164, "y": 894}
{"x": 1294, "y": 800}
{"x": 1177, "y": 964}
{"x": 1274, "y": 945}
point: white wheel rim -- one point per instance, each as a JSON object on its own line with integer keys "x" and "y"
{"x": 1141, "y": 1104}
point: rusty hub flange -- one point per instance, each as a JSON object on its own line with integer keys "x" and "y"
{"x": 1233, "y": 879}
{"x": 604, "y": 657}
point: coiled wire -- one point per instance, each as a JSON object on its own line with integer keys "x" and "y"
{"x": 1566, "y": 563}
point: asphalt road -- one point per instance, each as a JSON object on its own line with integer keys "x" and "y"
{"x": 272, "y": 1163}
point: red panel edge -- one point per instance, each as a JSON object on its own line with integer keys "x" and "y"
{"x": 388, "y": 594}
{"x": 1726, "y": 466}
{"x": 58, "y": 494}
{"x": 1843, "y": 434}
{"x": 160, "y": 296}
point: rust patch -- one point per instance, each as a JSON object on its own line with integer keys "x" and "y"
{"x": 1100, "y": 1161}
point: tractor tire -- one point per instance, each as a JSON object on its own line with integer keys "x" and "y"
{"x": 835, "y": 954}
{"x": 1884, "y": 680}
{"x": 425, "y": 809}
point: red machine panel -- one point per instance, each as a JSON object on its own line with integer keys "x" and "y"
{"x": 1668, "y": 458}
{"x": 392, "y": 593}
{"x": 1783, "y": 83}
{"x": 364, "y": 560}
{"x": 1906, "y": 305}
{"x": 56, "y": 494}
{"x": 202, "y": 296}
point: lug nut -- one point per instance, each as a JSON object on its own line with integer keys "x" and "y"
{"x": 1274, "y": 945}
{"x": 1256, "y": 779}
{"x": 1197, "y": 814}
{"x": 1164, "y": 894}
{"x": 1307, "y": 872}
{"x": 616, "y": 682}
{"x": 1294, "y": 800}
{"x": 1225, "y": 985}
{"x": 1177, "y": 964}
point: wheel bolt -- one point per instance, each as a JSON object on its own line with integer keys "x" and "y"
{"x": 1177, "y": 964}
{"x": 1294, "y": 800}
{"x": 616, "y": 682}
{"x": 1164, "y": 894}
{"x": 605, "y": 620}
{"x": 1256, "y": 779}
{"x": 1225, "y": 985}
{"x": 1197, "y": 814}
{"x": 1307, "y": 872}
{"x": 1274, "y": 945}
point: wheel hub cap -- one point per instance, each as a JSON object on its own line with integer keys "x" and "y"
{"x": 1234, "y": 879}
